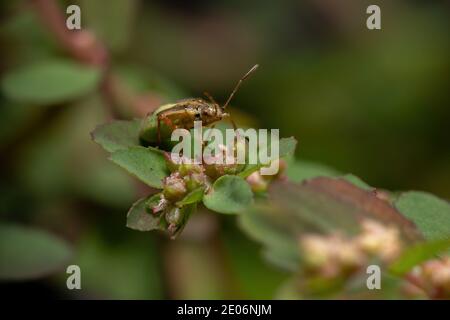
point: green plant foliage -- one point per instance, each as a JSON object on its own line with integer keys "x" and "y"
{"x": 417, "y": 254}
{"x": 146, "y": 164}
{"x": 117, "y": 135}
{"x": 53, "y": 157}
{"x": 429, "y": 213}
{"x": 229, "y": 194}
{"x": 27, "y": 32}
{"x": 332, "y": 95}
{"x": 300, "y": 170}
{"x": 194, "y": 196}
{"x": 30, "y": 253}
{"x": 357, "y": 181}
{"x": 319, "y": 205}
{"x": 139, "y": 219}
{"x": 286, "y": 148}
{"x": 280, "y": 245}
{"x": 133, "y": 263}
{"x": 50, "y": 82}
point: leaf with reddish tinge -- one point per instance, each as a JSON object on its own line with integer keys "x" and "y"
{"x": 320, "y": 205}
{"x": 331, "y": 204}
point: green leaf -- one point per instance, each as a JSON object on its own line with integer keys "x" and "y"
{"x": 229, "y": 194}
{"x": 286, "y": 148}
{"x": 147, "y": 164}
{"x": 357, "y": 182}
{"x": 27, "y": 253}
{"x": 280, "y": 244}
{"x": 194, "y": 196}
{"x": 117, "y": 135}
{"x": 327, "y": 205}
{"x": 139, "y": 219}
{"x": 50, "y": 82}
{"x": 284, "y": 259}
{"x": 300, "y": 170}
{"x": 320, "y": 205}
{"x": 429, "y": 213}
{"x": 417, "y": 254}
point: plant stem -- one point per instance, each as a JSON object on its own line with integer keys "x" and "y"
{"x": 84, "y": 47}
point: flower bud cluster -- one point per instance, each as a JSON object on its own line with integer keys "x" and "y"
{"x": 335, "y": 255}
{"x": 184, "y": 178}
{"x": 260, "y": 183}
{"x": 187, "y": 176}
{"x": 431, "y": 278}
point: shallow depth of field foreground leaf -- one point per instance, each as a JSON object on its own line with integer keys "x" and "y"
{"x": 319, "y": 205}
{"x": 50, "y": 82}
{"x": 29, "y": 253}
{"x": 431, "y": 214}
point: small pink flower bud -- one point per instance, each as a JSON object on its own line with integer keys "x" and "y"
{"x": 379, "y": 240}
{"x": 173, "y": 216}
{"x": 187, "y": 168}
{"x": 174, "y": 187}
{"x": 195, "y": 180}
{"x": 331, "y": 256}
{"x": 257, "y": 182}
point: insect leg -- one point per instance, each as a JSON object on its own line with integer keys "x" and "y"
{"x": 233, "y": 123}
{"x": 235, "y": 130}
{"x": 169, "y": 123}
{"x": 209, "y": 135}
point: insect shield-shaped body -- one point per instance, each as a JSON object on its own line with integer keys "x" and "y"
{"x": 157, "y": 127}
{"x": 184, "y": 113}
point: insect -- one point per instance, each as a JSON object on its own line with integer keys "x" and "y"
{"x": 183, "y": 114}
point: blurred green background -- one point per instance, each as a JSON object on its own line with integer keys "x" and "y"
{"x": 371, "y": 103}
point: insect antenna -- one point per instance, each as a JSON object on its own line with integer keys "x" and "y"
{"x": 239, "y": 84}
